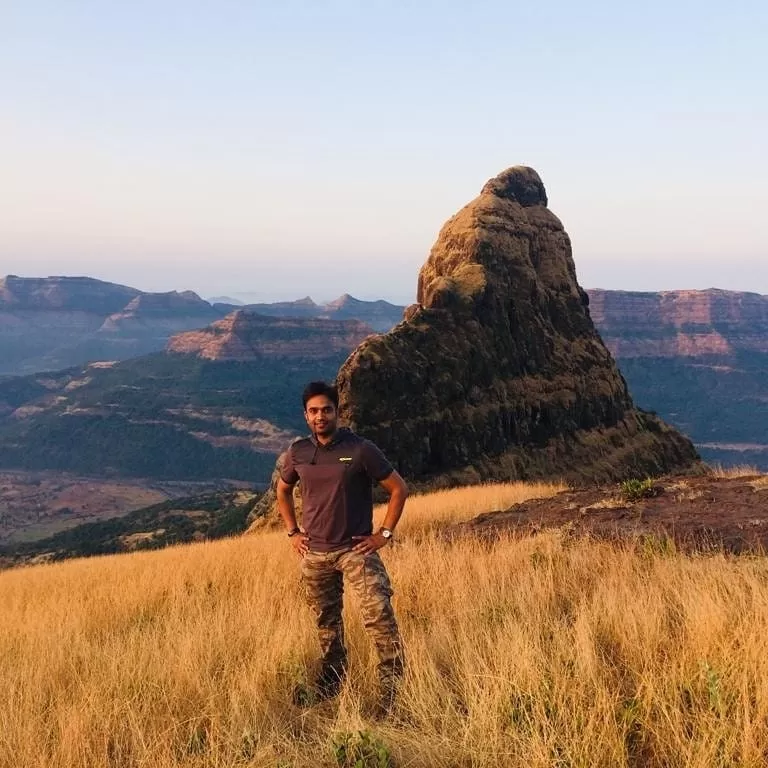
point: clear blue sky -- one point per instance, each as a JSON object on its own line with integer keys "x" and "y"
{"x": 293, "y": 148}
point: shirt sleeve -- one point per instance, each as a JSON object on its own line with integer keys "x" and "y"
{"x": 376, "y": 464}
{"x": 288, "y": 471}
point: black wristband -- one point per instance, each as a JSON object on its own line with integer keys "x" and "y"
{"x": 293, "y": 532}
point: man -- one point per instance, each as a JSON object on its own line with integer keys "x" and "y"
{"x": 337, "y": 468}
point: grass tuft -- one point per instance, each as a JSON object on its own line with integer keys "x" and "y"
{"x": 635, "y": 490}
{"x": 741, "y": 470}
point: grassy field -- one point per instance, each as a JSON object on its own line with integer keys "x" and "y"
{"x": 545, "y": 651}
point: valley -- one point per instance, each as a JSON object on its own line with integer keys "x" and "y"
{"x": 36, "y": 505}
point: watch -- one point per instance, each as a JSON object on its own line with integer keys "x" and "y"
{"x": 386, "y": 533}
{"x": 293, "y": 532}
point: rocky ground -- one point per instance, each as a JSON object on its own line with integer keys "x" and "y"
{"x": 696, "y": 513}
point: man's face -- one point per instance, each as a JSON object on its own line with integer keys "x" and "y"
{"x": 321, "y": 415}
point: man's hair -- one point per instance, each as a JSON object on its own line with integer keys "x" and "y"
{"x": 315, "y": 388}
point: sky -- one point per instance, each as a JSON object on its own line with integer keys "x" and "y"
{"x": 283, "y": 149}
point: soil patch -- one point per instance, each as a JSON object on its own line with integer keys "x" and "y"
{"x": 695, "y": 512}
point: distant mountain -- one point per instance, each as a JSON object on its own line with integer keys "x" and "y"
{"x": 698, "y": 358}
{"x": 74, "y": 294}
{"x": 243, "y": 335}
{"x": 220, "y": 403}
{"x": 55, "y": 322}
{"x": 380, "y": 315}
{"x": 228, "y": 300}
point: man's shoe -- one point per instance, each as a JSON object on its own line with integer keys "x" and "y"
{"x": 326, "y": 685}
{"x": 329, "y": 681}
{"x": 386, "y": 698}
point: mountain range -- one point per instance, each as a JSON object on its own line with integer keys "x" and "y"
{"x": 698, "y": 358}
{"x": 51, "y": 323}
{"x": 380, "y": 315}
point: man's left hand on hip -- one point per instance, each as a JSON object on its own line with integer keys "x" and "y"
{"x": 367, "y": 545}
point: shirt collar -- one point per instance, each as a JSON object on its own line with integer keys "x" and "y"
{"x": 341, "y": 434}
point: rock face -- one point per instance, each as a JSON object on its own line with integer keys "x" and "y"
{"x": 243, "y": 335}
{"x": 498, "y": 371}
{"x": 698, "y": 358}
{"x": 680, "y": 323}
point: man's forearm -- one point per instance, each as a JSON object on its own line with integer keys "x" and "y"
{"x": 394, "y": 509}
{"x": 287, "y": 509}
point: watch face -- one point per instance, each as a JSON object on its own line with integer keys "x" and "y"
{"x": 386, "y": 533}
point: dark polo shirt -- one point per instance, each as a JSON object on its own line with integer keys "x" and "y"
{"x": 336, "y": 487}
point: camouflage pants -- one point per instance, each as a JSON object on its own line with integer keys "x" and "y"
{"x": 323, "y": 575}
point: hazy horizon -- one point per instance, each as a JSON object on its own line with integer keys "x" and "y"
{"x": 253, "y": 297}
{"x": 304, "y": 149}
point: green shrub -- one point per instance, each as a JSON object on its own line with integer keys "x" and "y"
{"x": 361, "y": 750}
{"x": 634, "y": 490}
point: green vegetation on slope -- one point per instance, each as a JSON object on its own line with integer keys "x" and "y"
{"x": 210, "y": 516}
{"x": 160, "y": 416}
{"x": 712, "y": 401}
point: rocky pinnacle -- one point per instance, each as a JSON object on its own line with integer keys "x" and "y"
{"x": 498, "y": 371}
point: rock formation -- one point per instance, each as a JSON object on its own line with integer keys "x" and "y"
{"x": 243, "y": 335}
{"x": 498, "y": 371}
{"x": 708, "y": 323}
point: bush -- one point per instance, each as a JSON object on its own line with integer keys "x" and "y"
{"x": 634, "y": 490}
{"x": 361, "y": 750}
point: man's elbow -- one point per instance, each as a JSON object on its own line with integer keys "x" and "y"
{"x": 401, "y": 488}
{"x": 284, "y": 490}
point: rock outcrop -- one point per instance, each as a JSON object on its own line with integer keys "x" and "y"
{"x": 498, "y": 371}
{"x": 244, "y": 335}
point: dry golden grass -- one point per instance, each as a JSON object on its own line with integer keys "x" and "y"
{"x": 545, "y": 651}
{"x": 610, "y": 502}
{"x": 761, "y": 484}
{"x": 430, "y": 510}
{"x": 742, "y": 470}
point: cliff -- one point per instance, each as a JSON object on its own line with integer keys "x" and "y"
{"x": 680, "y": 323}
{"x": 244, "y": 335}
